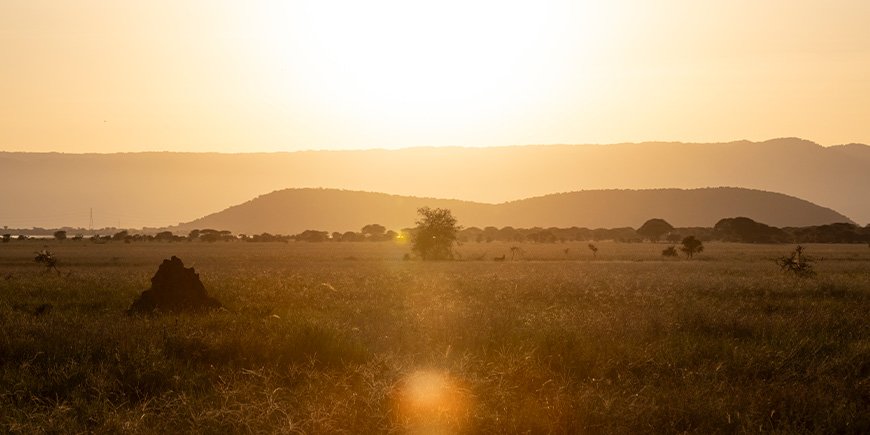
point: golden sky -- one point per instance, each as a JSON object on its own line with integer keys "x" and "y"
{"x": 207, "y": 75}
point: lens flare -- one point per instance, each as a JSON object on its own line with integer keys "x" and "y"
{"x": 432, "y": 402}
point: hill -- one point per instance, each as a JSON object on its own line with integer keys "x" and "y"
{"x": 292, "y": 211}
{"x": 160, "y": 189}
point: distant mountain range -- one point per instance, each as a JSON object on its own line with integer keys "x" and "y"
{"x": 292, "y": 211}
{"x": 161, "y": 189}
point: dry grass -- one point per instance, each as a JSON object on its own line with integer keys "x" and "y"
{"x": 347, "y": 338}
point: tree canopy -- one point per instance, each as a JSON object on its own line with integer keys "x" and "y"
{"x": 654, "y": 229}
{"x": 691, "y": 246}
{"x": 435, "y": 234}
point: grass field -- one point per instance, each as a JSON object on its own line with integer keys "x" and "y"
{"x": 348, "y": 338}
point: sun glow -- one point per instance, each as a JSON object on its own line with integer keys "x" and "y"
{"x": 445, "y": 68}
{"x": 271, "y": 75}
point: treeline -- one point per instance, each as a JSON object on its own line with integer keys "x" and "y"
{"x": 741, "y": 229}
{"x": 738, "y": 229}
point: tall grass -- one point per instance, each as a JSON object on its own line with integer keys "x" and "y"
{"x": 333, "y": 338}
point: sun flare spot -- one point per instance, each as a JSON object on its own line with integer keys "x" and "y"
{"x": 432, "y": 402}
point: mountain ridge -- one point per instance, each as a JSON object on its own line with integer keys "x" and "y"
{"x": 157, "y": 189}
{"x": 290, "y": 211}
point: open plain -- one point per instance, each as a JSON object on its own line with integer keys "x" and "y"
{"x": 348, "y": 337}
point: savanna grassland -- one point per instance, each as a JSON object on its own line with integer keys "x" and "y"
{"x": 348, "y": 338}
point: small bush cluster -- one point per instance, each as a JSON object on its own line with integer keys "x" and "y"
{"x": 670, "y": 251}
{"x": 47, "y": 258}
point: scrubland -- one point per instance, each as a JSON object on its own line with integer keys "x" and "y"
{"x": 349, "y": 338}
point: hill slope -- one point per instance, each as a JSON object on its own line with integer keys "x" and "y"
{"x": 291, "y": 211}
{"x": 158, "y": 189}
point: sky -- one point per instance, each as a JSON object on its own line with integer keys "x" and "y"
{"x": 210, "y": 75}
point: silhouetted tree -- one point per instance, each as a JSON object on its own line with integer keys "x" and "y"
{"x": 654, "y": 229}
{"x": 60, "y": 235}
{"x": 743, "y": 229}
{"x": 209, "y": 235}
{"x": 490, "y": 234}
{"x": 510, "y": 234}
{"x": 7, "y": 237}
{"x": 193, "y": 235}
{"x": 691, "y": 246}
{"x": 373, "y": 231}
{"x": 312, "y": 236}
{"x": 435, "y": 234}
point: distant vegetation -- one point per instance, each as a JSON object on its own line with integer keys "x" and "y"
{"x": 737, "y": 229}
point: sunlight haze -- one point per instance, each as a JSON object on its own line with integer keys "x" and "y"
{"x": 105, "y": 76}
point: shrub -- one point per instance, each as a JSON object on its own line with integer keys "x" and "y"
{"x": 594, "y": 249}
{"x": 47, "y": 258}
{"x": 797, "y": 263}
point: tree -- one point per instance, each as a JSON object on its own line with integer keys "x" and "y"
{"x": 7, "y": 237}
{"x": 193, "y": 235}
{"x": 745, "y": 230}
{"x": 691, "y": 246}
{"x": 435, "y": 234}
{"x": 373, "y": 231}
{"x": 654, "y": 229}
{"x": 164, "y": 235}
{"x": 312, "y": 236}
{"x": 60, "y": 235}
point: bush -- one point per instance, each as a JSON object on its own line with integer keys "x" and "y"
{"x": 797, "y": 263}
{"x": 670, "y": 251}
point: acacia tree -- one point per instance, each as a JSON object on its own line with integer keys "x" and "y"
{"x": 654, "y": 229}
{"x": 374, "y": 232}
{"x": 691, "y": 246}
{"x": 435, "y": 234}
